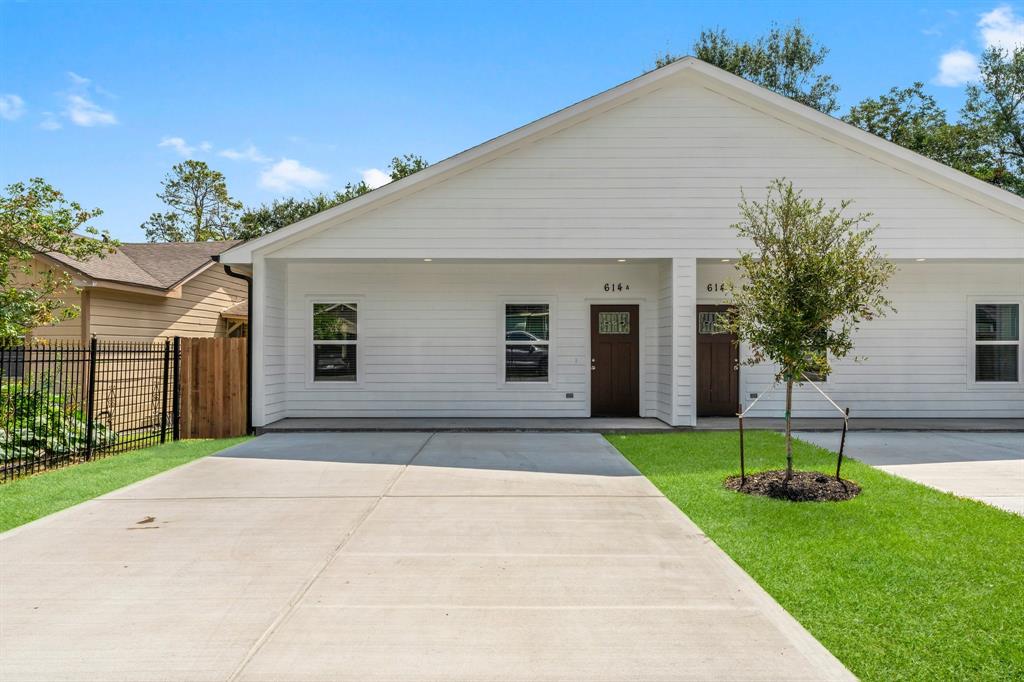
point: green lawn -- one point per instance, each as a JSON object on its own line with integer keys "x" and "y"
{"x": 901, "y": 583}
{"x": 30, "y": 498}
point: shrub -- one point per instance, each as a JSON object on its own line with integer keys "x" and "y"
{"x": 38, "y": 421}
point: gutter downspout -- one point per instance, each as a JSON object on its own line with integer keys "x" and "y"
{"x": 248, "y": 342}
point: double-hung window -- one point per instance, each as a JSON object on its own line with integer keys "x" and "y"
{"x": 527, "y": 342}
{"x": 996, "y": 342}
{"x": 335, "y": 341}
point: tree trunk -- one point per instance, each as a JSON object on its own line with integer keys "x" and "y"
{"x": 789, "y": 430}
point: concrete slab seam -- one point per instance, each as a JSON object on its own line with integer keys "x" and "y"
{"x": 294, "y": 601}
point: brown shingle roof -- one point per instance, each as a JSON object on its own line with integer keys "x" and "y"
{"x": 160, "y": 266}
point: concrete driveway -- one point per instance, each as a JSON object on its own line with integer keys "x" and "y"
{"x": 406, "y": 556}
{"x": 986, "y": 466}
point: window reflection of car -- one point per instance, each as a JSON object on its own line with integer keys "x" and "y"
{"x": 523, "y": 355}
{"x": 331, "y": 361}
{"x": 520, "y": 335}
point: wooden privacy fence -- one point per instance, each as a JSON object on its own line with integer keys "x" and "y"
{"x": 213, "y": 388}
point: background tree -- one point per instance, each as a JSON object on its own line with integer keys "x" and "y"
{"x": 995, "y": 111}
{"x": 909, "y": 117}
{"x": 786, "y": 60}
{"x": 813, "y": 277}
{"x": 36, "y": 218}
{"x": 201, "y": 209}
{"x": 266, "y": 218}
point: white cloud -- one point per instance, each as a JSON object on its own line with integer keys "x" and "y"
{"x": 11, "y": 107}
{"x": 178, "y": 144}
{"x": 1001, "y": 28}
{"x": 957, "y": 67}
{"x": 78, "y": 81}
{"x": 50, "y": 121}
{"x": 205, "y": 146}
{"x": 81, "y": 109}
{"x": 250, "y": 153}
{"x": 375, "y": 177}
{"x": 289, "y": 174}
{"x": 84, "y": 112}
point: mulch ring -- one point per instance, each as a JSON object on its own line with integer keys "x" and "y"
{"x": 805, "y": 486}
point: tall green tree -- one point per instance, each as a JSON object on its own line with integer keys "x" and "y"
{"x": 995, "y": 111}
{"x": 200, "y": 208}
{"x": 266, "y": 218}
{"x": 911, "y": 118}
{"x": 786, "y": 60}
{"x": 36, "y": 219}
{"x": 813, "y": 277}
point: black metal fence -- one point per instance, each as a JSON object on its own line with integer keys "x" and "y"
{"x": 63, "y": 402}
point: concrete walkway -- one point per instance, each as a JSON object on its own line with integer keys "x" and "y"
{"x": 986, "y": 466}
{"x": 374, "y": 556}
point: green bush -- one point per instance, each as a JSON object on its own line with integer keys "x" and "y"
{"x": 38, "y": 421}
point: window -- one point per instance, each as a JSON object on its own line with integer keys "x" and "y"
{"x": 996, "y": 342}
{"x": 527, "y": 342}
{"x": 334, "y": 341}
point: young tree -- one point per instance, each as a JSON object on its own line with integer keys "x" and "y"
{"x": 786, "y": 60}
{"x": 201, "y": 209}
{"x": 995, "y": 110}
{"x": 266, "y": 218}
{"x": 36, "y": 218}
{"x": 814, "y": 275}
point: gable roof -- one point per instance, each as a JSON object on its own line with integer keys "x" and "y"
{"x": 156, "y": 266}
{"x": 712, "y": 77}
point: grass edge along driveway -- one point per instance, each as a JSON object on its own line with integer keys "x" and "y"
{"x": 902, "y": 583}
{"x": 34, "y": 497}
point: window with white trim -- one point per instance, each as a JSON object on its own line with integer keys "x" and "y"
{"x": 335, "y": 341}
{"x": 996, "y": 342}
{"x": 527, "y": 342}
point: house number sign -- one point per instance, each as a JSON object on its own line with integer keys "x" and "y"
{"x": 616, "y": 286}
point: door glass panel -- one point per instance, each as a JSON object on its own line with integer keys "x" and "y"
{"x": 613, "y": 323}
{"x": 710, "y": 323}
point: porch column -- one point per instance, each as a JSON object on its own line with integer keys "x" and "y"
{"x": 684, "y": 375}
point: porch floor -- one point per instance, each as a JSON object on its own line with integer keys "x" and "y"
{"x": 445, "y": 424}
{"x": 623, "y": 424}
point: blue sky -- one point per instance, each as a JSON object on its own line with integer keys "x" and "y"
{"x": 291, "y": 98}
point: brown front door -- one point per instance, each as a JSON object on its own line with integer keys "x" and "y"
{"x": 615, "y": 361}
{"x": 718, "y": 391}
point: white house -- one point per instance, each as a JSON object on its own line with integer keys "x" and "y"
{"x": 563, "y": 270}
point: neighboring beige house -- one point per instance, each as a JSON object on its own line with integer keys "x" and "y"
{"x": 146, "y": 291}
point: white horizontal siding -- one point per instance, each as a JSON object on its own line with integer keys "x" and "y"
{"x": 658, "y": 176}
{"x": 430, "y": 338}
{"x": 916, "y": 360}
{"x": 274, "y": 344}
